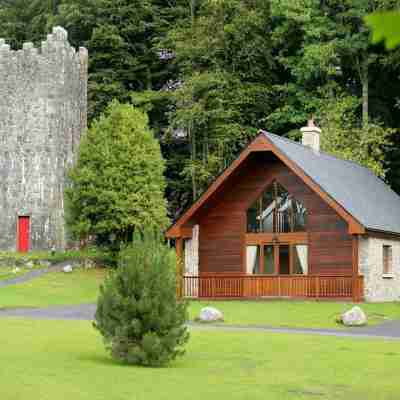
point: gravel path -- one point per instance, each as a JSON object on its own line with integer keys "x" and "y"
{"x": 33, "y": 274}
{"x": 388, "y": 330}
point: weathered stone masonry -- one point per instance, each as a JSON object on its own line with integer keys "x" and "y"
{"x": 377, "y": 286}
{"x": 42, "y": 115}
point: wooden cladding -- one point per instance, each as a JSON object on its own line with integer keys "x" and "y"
{"x": 222, "y": 221}
{"x": 256, "y": 286}
{"x": 290, "y": 238}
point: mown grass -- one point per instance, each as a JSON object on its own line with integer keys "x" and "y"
{"x": 14, "y": 272}
{"x": 55, "y": 288}
{"x": 66, "y": 360}
{"x": 81, "y": 286}
{"x": 299, "y": 314}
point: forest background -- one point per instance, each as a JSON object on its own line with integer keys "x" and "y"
{"x": 211, "y": 73}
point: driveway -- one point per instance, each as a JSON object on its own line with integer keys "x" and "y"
{"x": 388, "y": 330}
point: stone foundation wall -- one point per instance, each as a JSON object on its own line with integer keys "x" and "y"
{"x": 192, "y": 253}
{"x": 43, "y": 113}
{"x": 377, "y": 287}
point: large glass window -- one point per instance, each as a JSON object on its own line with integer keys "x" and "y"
{"x": 300, "y": 259}
{"x": 269, "y": 260}
{"x": 253, "y": 259}
{"x": 282, "y": 259}
{"x": 276, "y": 211}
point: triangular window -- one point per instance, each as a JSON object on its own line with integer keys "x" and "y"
{"x": 276, "y": 211}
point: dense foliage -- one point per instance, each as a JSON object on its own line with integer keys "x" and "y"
{"x": 117, "y": 184}
{"x": 210, "y": 73}
{"x": 138, "y": 312}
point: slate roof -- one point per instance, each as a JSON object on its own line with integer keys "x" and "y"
{"x": 358, "y": 190}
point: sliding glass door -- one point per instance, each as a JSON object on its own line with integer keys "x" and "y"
{"x": 277, "y": 259}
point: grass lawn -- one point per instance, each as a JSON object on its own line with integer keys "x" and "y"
{"x": 14, "y": 272}
{"x": 299, "y": 314}
{"x": 65, "y": 360}
{"x": 81, "y": 286}
{"x": 55, "y": 288}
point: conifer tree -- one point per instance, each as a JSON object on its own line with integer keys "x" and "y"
{"x": 138, "y": 311}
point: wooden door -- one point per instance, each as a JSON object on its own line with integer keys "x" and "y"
{"x": 23, "y": 234}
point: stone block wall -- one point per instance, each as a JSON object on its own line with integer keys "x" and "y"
{"x": 43, "y": 97}
{"x": 192, "y": 253}
{"x": 377, "y": 287}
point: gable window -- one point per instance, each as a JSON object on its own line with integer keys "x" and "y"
{"x": 387, "y": 260}
{"x": 276, "y": 211}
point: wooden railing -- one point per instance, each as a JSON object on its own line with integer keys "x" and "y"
{"x": 256, "y": 286}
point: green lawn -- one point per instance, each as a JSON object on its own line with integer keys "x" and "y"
{"x": 81, "y": 286}
{"x": 300, "y": 314}
{"x": 55, "y": 288}
{"x": 11, "y": 272}
{"x": 63, "y": 360}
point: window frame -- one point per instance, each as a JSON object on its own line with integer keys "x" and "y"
{"x": 275, "y": 187}
{"x": 387, "y": 260}
{"x": 276, "y": 245}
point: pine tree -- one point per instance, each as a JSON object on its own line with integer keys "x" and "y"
{"x": 138, "y": 312}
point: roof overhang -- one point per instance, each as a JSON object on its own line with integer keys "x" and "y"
{"x": 261, "y": 143}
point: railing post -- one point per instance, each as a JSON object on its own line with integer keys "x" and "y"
{"x": 317, "y": 287}
{"x": 279, "y": 286}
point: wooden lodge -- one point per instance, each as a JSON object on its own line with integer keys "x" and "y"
{"x": 288, "y": 220}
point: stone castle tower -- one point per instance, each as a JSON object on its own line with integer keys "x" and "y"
{"x": 43, "y": 101}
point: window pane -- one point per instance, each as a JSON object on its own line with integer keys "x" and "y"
{"x": 267, "y": 214}
{"x": 300, "y": 259}
{"x": 276, "y": 211}
{"x": 253, "y": 224}
{"x": 269, "y": 260}
{"x": 253, "y": 259}
{"x": 284, "y": 265}
{"x": 387, "y": 259}
{"x": 300, "y": 216}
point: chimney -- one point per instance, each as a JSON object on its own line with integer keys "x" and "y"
{"x": 311, "y": 135}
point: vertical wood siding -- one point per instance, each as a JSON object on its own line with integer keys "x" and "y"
{"x": 223, "y": 220}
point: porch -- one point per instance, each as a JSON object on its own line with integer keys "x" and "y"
{"x": 221, "y": 286}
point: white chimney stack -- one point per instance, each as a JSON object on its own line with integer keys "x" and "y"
{"x": 311, "y": 135}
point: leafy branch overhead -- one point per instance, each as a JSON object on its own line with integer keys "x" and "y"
{"x": 385, "y": 27}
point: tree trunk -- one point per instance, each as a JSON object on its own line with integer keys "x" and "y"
{"x": 193, "y": 159}
{"x": 365, "y": 94}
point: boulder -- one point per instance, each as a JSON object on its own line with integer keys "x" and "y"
{"x": 45, "y": 263}
{"x": 29, "y": 264}
{"x": 210, "y": 314}
{"x": 16, "y": 270}
{"x": 354, "y": 317}
{"x": 67, "y": 268}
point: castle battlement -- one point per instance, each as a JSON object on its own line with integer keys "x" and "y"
{"x": 43, "y": 107}
{"x": 55, "y": 45}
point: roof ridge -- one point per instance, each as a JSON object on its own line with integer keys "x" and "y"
{"x": 319, "y": 151}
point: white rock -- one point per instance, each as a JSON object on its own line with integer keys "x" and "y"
{"x": 16, "y": 270}
{"x": 29, "y": 264}
{"x": 210, "y": 314}
{"x": 45, "y": 264}
{"x": 354, "y": 317}
{"x": 67, "y": 268}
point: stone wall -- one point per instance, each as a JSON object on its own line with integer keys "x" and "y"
{"x": 43, "y": 113}
{"x": 192, "y": 253}
{"x": 377, "y": 286}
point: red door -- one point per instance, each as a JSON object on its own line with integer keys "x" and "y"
{"x": 23, "y": 234}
